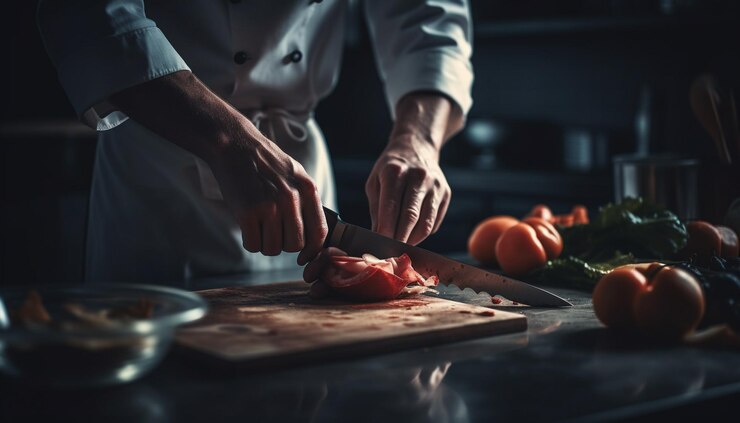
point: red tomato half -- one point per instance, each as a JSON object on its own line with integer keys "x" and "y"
{"x": 370, "y": 279}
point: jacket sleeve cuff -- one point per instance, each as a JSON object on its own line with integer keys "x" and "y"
{"x": 110, "y": 65}
{"x": 430, "y": 70}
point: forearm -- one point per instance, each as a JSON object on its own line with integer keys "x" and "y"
{"x": 426, "y": 116}
{"x": 181, "y": 109}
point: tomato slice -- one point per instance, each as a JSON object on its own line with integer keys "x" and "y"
{"x": 368, "y": 278}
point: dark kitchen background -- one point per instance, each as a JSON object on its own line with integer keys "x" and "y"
{"x": 561, "y": 87}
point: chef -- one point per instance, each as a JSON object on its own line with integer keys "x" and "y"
{"x": 209, "y": 160}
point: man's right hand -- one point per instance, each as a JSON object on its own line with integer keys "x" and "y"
{"x": 274, "y": 201}
{"x": 272, "y": 197}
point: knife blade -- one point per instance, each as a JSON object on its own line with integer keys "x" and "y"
{"x": 356, "y": 241}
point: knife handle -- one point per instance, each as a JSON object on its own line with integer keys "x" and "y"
{"x": 332, "y": 218}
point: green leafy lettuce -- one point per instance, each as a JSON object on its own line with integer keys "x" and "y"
{"x": 575, "y": 272}
{"x": 634, "y": 226}
{"x": 620, "y": 232}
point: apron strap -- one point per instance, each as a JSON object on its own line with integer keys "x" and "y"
{"x": 292, "y": 126}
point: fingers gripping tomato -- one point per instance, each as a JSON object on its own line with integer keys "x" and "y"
{"x": 661, "y": 301}
{"x": 527, "y": 246}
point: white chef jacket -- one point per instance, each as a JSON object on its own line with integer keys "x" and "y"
{"x": 156, "y": 212}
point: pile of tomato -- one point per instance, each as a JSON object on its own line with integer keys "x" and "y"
{"x": 665, "y": 301}
{"x": 654, "y": 299}
{"x": 519, "y": 246}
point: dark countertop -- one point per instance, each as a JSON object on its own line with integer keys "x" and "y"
{"x": 566, "y": 366}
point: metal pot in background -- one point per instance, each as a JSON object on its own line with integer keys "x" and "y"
{"x": 665, "y": 179}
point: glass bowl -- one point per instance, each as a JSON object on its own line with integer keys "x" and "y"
{"x": 99, "y": 334}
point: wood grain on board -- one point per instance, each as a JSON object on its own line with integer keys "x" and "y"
{"x": 279, "y": 325}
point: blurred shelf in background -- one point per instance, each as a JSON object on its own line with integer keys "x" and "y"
{"x": 530, "y": 10}
{"x": 586, "y": 26}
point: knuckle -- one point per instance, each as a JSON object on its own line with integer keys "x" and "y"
{"x": 393, "y": 170}
{"x": 289, "y": 196}
{"x": 412, "y": 213}
{"x": 258, "y": 208}
{"x": 316, "y": 236}
{"x": 418, "y": 173}
{"x": 437, "y": 199}
{"x": 269, "y": 209}
{"x": 418, "y": 193}
{"x": 323, "y": 231}
{"x": 428, "y": 225}
{"x": 298, "y": 168}
{"x": 293, "y": 242}
{"x": 270, "y": 188}
{"x": 307, "y": 185}
{"x": 415, "y": 202}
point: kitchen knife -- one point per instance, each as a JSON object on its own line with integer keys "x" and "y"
{"x": 357, "y": 241}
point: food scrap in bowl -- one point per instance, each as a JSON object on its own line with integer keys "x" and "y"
{"x": 32, "y": 313}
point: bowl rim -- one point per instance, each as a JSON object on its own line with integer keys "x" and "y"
{"x": 195, "y": 308}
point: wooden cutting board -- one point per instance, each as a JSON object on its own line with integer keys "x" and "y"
{"x": 278, "y": 325}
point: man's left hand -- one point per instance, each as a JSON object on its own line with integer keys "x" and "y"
{"x": 407, "y": 191}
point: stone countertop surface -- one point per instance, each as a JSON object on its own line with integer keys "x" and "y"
{"x": 565, "y": 367}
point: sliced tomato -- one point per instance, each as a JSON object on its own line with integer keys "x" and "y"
{"x": 368, "y": 278}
